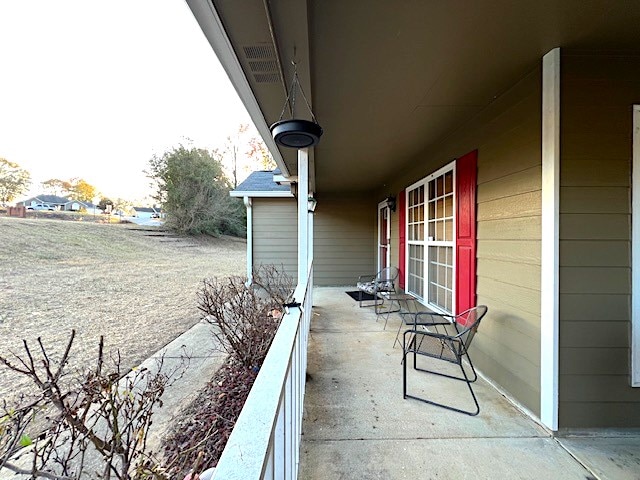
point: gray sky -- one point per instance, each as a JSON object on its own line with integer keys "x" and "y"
{"x": 93, "y": 89}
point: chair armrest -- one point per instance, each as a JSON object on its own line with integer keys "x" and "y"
{"x": 368, "y": 278}
{"x": 426, "y": 333}
{"x": 443, "y": 319}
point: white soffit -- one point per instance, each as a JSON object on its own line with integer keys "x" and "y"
{"x": 211, "y": 25}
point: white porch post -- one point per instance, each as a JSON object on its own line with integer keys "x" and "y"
{"x": 550, "y": 268}
{"x": 248, "y": 204}
{"x": 310, "y": 239}
{"x": 303, "y": 215}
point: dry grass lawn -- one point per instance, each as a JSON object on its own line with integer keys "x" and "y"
{"x": 135, "y": 287}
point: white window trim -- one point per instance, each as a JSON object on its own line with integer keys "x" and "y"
{"x": 381, "y": 206}
{"x": 451, "y": 166}
{"x": 635, "y": 251}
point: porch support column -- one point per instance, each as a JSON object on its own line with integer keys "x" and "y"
{"x": 303, "y": 214}
{"x": 550, "y": 255}
{"x": 249, "y": 205}
{"x": 309, "y": 239}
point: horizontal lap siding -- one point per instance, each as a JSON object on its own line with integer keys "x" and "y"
{"x": 344, "y": 247}
{"x": 275, "y": 233}
{"x": 508, "y": 136}
{"x": 509, "y": 229}
{"x": 595, "y": 275}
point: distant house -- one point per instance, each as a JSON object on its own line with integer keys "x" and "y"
{"x": 54, "y": 200}
{"x": 60, "y": 203}
{"x": 77, "y": 205}
{"x": 148, "y": 212}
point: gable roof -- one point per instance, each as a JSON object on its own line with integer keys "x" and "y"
{"x": 50, "y": 199}
{"x": 261, "y": 184}
{"x": 148, "y": 209}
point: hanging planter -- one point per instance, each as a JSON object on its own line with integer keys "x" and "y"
{"x": 295, "y": 132}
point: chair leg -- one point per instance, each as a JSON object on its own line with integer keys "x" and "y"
{"x": 406, "y": 395}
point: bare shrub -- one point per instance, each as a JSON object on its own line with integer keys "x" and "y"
{"x": 246, "y": 317}
{"x": 101, "y": 419}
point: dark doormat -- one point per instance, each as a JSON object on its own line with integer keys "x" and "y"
{"x": 365, "y": 295}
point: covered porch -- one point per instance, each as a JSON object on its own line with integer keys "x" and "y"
{"x": 356, "y": 424}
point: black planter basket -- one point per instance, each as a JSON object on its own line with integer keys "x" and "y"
{"x": 296, "y": 133}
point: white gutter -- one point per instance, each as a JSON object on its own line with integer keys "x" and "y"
{"x": 211, "y": 25}
{"x": 261, "y": 194}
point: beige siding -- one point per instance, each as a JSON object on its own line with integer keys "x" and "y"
{"x": 595, "y": 285}
{"x": 275, "y": 233}
{"x": 507, "y": 136}
{"x": 343, "y": 237}
{"x": 344, "y": 245}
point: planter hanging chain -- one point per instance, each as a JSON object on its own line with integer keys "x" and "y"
{"x": 291, "y": 96}
{"x": 296, "y": 133}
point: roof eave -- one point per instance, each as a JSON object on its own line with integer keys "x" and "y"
{"x": 211, "y": 25}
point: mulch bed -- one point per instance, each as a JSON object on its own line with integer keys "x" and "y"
{"x": 206, "y": 424}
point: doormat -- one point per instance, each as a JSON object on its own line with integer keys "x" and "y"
{"x": 365, "y": 295}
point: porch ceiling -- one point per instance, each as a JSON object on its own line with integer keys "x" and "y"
{"x": 388, "y": 79}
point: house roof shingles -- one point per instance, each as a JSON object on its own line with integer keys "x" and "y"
{"x": 50, "y": 199}
{"x": 261, "y": 181}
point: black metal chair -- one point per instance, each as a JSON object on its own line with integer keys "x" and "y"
{"x": 383, "y": 281}
{"x": 443, "y": 337}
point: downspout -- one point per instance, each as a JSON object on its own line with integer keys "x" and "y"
{"x": 249, "y": 204}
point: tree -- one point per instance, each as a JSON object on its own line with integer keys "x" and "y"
{"x": 104, "y": 201}
{"x": 81, "y": 190}
{"x": 122, "y": 206}
{"x": 194, "y": 192}
{"x": 14, "y": 180}
{"x": 55, "y": 186}
{"x": 243, "y": 152}
{"x": 259, "y": 154}
{"x": 77, "y": 188}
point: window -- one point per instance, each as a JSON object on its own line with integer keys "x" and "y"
{"x": 431, "y": 239}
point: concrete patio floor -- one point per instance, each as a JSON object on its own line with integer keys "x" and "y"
{"x": 357, "y": 425}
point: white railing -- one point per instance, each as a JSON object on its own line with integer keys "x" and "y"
{"x": 265, "y": 442}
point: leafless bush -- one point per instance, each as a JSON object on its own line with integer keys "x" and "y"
{"x": 101, "y": 417}
{"x": 275, "y": 282}
{"x": 246, "y": 317}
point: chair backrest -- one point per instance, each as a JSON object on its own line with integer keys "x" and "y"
{"x": 387, "y": 274}
{"x": 467, "y": 324}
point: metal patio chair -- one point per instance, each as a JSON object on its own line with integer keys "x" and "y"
{"x": 443, "y": 337}
{"x": 383, "y": 281}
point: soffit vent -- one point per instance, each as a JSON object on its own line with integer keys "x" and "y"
{"x": 262, "y": 63}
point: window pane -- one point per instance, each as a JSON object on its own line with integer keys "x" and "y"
{"x": 440, "y": 208}
{"x": 448, "y": 230}
{"x": 448, "y": 182}
{"x": 448, "y": 206}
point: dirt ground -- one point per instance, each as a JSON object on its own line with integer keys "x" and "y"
{"x": 136, "y": 287}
